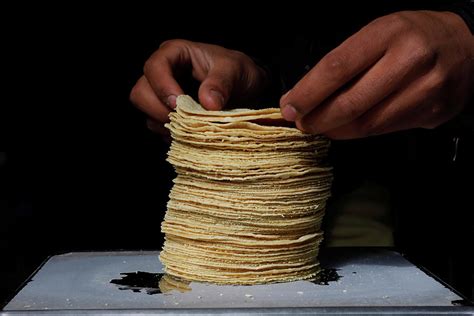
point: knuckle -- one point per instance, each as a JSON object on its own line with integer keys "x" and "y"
{"x": 158, "y": 57}
{"x": 238, "y": 56}
{"x": 397, "y": 23}
{"x": 335, "y": 65}
{"x": 306, "y": 126}
{"x": 166, "y": 43}
{"x": 149, "y": 65}
{"x": 237, "y": 62}
{"x": 439, "y": 79}
{"x": 434, "y": 84}
{"x": 421, "y": 50}
{"x": 223, "y": 82}
{"x": 394, "y": 23}
{"x": 171, "y": 43}
{"x": 161, "y": 93}
{"x": 135, "y": 94}
{"x": 234, "y": 65}
{"x": 398, "y": 20}
{"x": 349, "y": 106}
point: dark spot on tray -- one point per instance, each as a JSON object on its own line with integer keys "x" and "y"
{"x": 325, "y": 276}
{"x": 139, "y": 281}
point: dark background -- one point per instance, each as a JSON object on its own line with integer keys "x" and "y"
{"x": 83, "y": 172}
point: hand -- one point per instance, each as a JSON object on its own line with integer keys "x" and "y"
{"x": 401, "y": 71}
{"x": 223, "y": 74}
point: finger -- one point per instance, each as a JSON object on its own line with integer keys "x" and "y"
{"x": 144, "y": 98}
{"x": 408, "y": 108}
{"x": 160, "y": 72}
{"x": 395, "y": 69}
{"x": 216, "y": 88}
{"x": 158, "y": 127}
{"x": 338, "y": 67}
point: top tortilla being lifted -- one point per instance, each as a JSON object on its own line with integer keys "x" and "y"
{"x": 188, "y": 107}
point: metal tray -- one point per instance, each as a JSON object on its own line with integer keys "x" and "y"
{"x": 372, "y": 280}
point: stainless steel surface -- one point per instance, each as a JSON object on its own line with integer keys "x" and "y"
{"x": 372, "y": 280}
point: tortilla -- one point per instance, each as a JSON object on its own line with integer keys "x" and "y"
{"x": 249, "y": 198}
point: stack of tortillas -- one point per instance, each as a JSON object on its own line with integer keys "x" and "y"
{"x": 247, "y": 204}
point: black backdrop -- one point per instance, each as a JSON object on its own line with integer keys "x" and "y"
{"x": 85, "y": 174}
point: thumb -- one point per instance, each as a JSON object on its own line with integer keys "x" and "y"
{"x": 216, "y": 89}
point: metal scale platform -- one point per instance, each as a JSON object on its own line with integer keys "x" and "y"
{"x": 371, "y": 280}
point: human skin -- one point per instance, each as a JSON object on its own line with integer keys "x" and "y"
{"x": 406, "y": 70}
{"x": 223, "y": 74}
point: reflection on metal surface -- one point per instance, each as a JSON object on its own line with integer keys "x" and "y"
{"x": 325, "y": 276}
{"x": 150, "y": 283}
{"x": 160, "y": 283}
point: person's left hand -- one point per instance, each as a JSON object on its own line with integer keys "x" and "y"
{"x": 405, "y": 70}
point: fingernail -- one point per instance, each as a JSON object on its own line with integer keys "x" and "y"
{"x": 171, "y": 101}
{"x": 289, "y": 113}
{"x": 218, "y": 96}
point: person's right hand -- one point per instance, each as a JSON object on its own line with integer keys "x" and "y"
{"x": 223, "y": 74}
